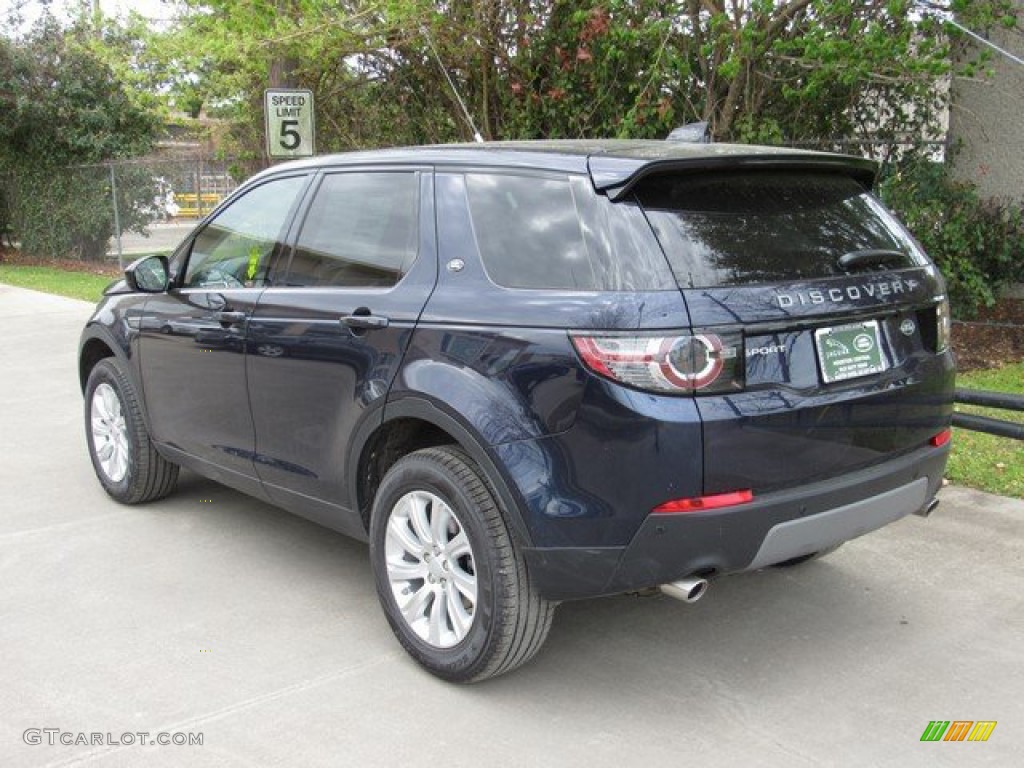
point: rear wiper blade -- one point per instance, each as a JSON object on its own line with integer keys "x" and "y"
{"x": 869, "y": 258}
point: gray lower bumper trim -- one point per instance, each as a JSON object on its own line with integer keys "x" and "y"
{"x": 811, "y": 534}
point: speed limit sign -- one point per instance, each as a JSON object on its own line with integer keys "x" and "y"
{"x": 290, "y": 127}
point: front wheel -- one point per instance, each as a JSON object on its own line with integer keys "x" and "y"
{"x": 123, "y": 456}
{"x": 453, "y": 586}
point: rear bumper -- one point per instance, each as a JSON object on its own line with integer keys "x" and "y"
{"x": 774, "y": 527}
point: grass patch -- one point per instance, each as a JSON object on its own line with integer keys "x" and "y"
{"x": 75, "y": 285}
{"x": 986, "y": 462}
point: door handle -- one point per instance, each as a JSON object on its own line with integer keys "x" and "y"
{"x": 229, "y": 318}
{"x": 364, "y": 322}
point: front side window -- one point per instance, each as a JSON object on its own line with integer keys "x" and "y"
{"x": 361, "y": 231}
{"x": 235, "y": 249}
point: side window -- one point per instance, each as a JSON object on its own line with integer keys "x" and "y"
{"x": 555, "y": 233}
{"x": 361, "y": 231}
{"x": 528, "y": 231}
{"x": 235, "y": 249}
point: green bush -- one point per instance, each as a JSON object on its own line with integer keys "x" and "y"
{"x": 977, "y": 243}
{"x": 65, "y": 114}
{"x": 68, "y": 212}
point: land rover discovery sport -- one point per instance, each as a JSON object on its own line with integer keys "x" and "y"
{"x": 535, "y": 372}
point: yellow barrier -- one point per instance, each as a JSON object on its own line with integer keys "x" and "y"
{"x": 190, "y": 197}
{"x": 189, "y": 207}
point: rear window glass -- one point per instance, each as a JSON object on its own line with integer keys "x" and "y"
{"x": 556, "y": 233}
{"x": 737, "y": 228}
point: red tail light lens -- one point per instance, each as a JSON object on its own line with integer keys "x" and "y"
{"x": 681, "y": 364}
{"x": 942, "y": 438}
{"x": 704, "y": 503}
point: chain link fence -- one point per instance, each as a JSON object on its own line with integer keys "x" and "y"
{"x": 112, "y": 211}
{"x": 166, "y": 196}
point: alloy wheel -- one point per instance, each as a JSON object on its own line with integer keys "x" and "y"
{"x": 430, "y": 568}
{"x": 110, "y": 433}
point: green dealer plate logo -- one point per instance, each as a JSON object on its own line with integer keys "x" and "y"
{"x": 849, "y": 351}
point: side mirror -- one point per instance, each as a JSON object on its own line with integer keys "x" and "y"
{"x": 148, "y": 274}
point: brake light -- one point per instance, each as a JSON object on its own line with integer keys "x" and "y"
{"x": 704, "y": 503}
{"x": 680, "y": 364}
{"x": 942, "y": 438}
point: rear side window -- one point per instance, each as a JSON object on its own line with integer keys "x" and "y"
{"x": 739, "y": 228}
{"x": 556, "y": 233}
{"x": 361, "y": 231}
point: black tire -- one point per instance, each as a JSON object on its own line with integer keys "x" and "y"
{"x": 511, "y": 621}
{"x": 148, "y": 475}
{"x": 808, "y": 558}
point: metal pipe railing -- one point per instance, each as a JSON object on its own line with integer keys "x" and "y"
{"x": 1001, "y": 400}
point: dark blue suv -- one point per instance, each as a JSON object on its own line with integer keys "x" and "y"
{"x": 534, "y": 372}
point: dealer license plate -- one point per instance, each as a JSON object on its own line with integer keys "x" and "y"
{"x": 849, "y": 351}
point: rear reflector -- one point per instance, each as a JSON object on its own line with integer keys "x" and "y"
{"x": 703, "y": 503}
{"x": 942, "y": 438}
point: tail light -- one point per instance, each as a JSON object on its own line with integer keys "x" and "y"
{"x": 677, "y": 364}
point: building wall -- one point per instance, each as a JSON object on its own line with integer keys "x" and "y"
{"x": 987, "y": 120}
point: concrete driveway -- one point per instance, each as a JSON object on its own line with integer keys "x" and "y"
{"x": 210, "y": 613}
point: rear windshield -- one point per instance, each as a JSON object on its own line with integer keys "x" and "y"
{"x": 752, "y": 227}
{"x": 554, "y": 232}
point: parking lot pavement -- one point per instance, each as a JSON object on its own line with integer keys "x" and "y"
{"x": 210, "y": 613}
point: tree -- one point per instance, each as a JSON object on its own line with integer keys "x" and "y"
{"x": 223, "y": 54}
{"x": 62, "y": 106}
{"x": 806, "y": 69}
{"x": 764, "y": 70}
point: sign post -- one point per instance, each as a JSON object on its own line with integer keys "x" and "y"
{"x": 290, "y": 126}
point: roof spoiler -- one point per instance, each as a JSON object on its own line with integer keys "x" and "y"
{"x": 616, "y": 176}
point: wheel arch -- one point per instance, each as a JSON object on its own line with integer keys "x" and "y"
{"x": 410, "y": 424}
{"x": 97, "y": 344}
{"x": 93, "y": 349}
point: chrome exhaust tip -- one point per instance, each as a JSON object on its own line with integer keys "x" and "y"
{"x": 928, "y": 508}
{"x": 688, "y": 590}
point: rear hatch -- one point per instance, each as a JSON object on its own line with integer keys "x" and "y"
{"x": 838, "y": 319}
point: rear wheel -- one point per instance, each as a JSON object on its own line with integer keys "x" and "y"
{"x": 123, "y": 456}
{"x": 452, "y": 584}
